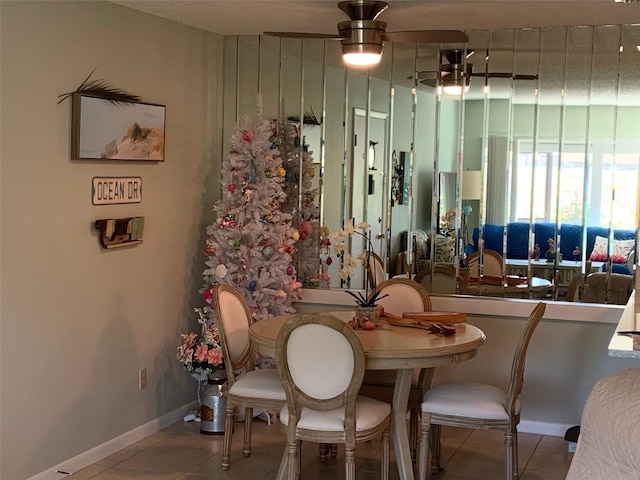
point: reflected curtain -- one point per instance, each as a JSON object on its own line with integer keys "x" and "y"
{"x": 497, "y": 178}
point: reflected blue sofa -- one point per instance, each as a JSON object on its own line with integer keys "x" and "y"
{"x": 570, "y": 236}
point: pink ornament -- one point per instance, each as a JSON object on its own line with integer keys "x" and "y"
{"x": 281, "y": 294}
{"x": 231, "y": 188}
{"x": 247, "y": 136}
{"x": 305, "y": 230}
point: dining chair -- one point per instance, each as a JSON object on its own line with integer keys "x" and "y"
{"x": 492, "y": 263}
{"x": 375, "y": 270}
{"x": 481, "y": 406}
{"x": 321, "y": 364}
{"x": 254, "y": 388}
{"x": 404, "y": 296}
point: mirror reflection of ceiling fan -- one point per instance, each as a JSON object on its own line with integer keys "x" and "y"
{"x": 455, "y": 75}
{"x": 363, "y": 36}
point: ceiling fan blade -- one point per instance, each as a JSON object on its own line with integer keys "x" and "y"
{"x": 431, "y": 83}
{"x": 426, "y": 74}
{"x": 525, "y": 77}
{"x": 427, "y": 36}
{"x": 505, "y": 75}
{"x": 326, "y": 36}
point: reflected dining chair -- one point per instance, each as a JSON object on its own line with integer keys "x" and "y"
{"x": 323, "y": 404}
{"x": 480, "y": 406}
{"x": 404, "y": 296}
{"x": 444, "y": 280}
{"x": 375, "y": 270}
{"x": 492, "y": 263}
{"x": 255, "y": 388}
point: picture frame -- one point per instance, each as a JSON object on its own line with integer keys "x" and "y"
{"x": 104, "y": 129}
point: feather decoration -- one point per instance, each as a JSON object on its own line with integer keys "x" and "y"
{"x": 102, "y": 89}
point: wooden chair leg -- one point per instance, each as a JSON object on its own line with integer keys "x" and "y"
{"x": 349, "y": 463}
{"x": 248, "y": 424}
{"x": 228, "y": 433}
{"x": 333, "y": 450}
{"x": 292, "y": 463}
{"x": 423, "y": 455}
{"x": 323, "y": 452}
{"x": 516, "y": 473}
{"x": 436, "y": 449}
{"x": 414, "y": 431}
{"x": 508, "y": 458}
{"x": 384, "y": 457}
{"x": 299, "y": 460}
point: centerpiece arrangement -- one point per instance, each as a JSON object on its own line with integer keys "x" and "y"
{"x": 367, "y": 310}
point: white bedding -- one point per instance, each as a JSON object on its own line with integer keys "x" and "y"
{"x": 609, "y": 442}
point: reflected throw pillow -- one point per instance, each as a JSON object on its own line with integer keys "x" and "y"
{"x": 621, "y": 250}
{"x": 600, "y": 247}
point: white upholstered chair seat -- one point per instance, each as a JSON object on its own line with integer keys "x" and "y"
{"x": 369, "y": 414}
{"x": 263, "y": 383}
{"x": 474, "y": 400}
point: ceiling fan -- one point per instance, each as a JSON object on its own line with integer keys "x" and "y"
{"x": 363, "y": 36}
{"x": 455, "y": 75}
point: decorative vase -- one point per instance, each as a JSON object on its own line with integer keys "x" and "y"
{"x": 213, "y": 404}
{"x": 372, "y": 313}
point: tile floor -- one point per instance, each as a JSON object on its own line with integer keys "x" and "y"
{"x": 181, "y": 452}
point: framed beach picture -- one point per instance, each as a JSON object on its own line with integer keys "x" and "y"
{"x": 103, "y": 129}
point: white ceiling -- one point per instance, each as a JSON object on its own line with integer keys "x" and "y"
{"x": 237, "y": 17}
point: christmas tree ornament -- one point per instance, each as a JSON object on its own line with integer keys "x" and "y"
{"x": 253, "y": 284}
{"x": 287, "y": 176}
{"x": 236, "y": 245}
{"x": 268, "y": 172}
{"x": 231, "y": 188}
{"x": 281, "y": 171}
{"x": 267, "y": 252}
{"x": 248, "y": 195}
{"x": 311, "y": 172}
{"x": 221, "y": 271}
{"x": 290, "y": 270}
{"x": 247, "y": 136}
{"x": 295, "y": 235}
{"x": 305, "y": 230}
{"x": 228, "y": 221}
{"x": 329, "y": 261}
{"x": 281, "y": 294}
{"x": 209, "y": 249}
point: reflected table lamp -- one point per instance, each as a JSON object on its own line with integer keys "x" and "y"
{"x": 471, "y": 190}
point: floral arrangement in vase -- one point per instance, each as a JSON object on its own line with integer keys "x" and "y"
{"x": 201, "y": 354}
{"x": 367, "y": 310}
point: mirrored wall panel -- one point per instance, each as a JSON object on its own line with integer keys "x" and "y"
{"x": 507, "y": 166}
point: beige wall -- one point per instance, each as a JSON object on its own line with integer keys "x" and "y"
{"x": 78, "y": 322}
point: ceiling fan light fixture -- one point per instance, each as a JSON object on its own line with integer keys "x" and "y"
{"x": 362, "y": 55}
{"x": 455, "y": 90}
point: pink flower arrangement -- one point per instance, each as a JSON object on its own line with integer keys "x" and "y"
{"x": 201, "y": 354}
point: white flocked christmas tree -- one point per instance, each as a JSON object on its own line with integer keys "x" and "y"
{"x": 251, "y": 243}
{"x": 302, "y": 202}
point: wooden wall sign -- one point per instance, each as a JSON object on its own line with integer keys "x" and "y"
{"x": 114, "y": 190}
{"x": 120, "y": 232}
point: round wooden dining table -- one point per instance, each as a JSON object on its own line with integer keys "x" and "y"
{"x": 392, "y": 348}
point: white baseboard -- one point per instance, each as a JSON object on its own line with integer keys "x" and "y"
{"x": 110, "y": 447}
{"x": 543, "y": 428}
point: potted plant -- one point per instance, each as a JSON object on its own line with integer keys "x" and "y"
{"x": 367, "y": 310}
